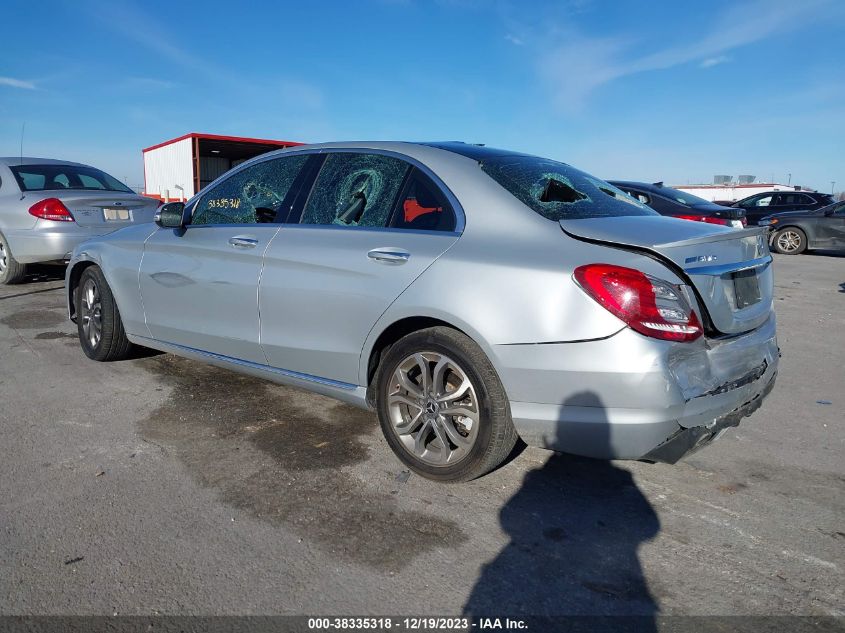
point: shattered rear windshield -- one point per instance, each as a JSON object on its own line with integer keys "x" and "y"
{"x": 560, "y": 192}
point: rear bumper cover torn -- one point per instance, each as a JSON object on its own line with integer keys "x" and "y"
{"x": 686, "y": 441}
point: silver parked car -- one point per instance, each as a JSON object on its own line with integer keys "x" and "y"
{"x": 47, "y": 207}
{"x": 469, "y": 295}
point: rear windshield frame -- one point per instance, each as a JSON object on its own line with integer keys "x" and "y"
{"x": 525, "y": 177}
{"x": 50, "y": 170}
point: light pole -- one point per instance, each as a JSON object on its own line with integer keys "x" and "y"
{"x": 832, "y": 184}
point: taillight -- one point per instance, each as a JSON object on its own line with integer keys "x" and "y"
{"x": 709, "y": 219}
{"x": 744, "y": 221}
{"x": 51, "y": 209}
{"x": 648, "y": 305}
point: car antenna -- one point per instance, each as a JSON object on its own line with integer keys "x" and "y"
{"x": 23, "y": 127}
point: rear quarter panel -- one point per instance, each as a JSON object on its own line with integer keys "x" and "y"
{"x": 508, "y": 279}
{"x": 14, "y": 214}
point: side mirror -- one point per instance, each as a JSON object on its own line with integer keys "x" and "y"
{"x": 171, "y": 215}
{"x": 830, "y": 212}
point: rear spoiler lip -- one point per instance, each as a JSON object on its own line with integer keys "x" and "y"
{"x": 707, "y": 239}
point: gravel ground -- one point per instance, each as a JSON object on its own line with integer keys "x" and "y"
{"x": 164, "y": 486}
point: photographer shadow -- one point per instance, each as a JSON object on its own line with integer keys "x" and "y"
{"x": 575, "y": 526}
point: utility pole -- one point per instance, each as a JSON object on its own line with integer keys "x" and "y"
{"x": 832, "y": 184}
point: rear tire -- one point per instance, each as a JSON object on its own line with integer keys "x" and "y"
{"x": 11, "y": 271}
{"x": 453, "y": 424}
{"x": 98, "y": 321}
{"x": 790, "y": 241}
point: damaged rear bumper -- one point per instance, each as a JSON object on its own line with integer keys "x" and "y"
{"x": 631, "y": 397}
{"x": 686, "y": 441}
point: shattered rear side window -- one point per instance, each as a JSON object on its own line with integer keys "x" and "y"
{"x": 355, "y": 190}
{"x": 560, "y": 192}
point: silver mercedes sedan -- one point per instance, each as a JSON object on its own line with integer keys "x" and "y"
{"x": 48, "y": 206}
{"x": 470, "y": 296}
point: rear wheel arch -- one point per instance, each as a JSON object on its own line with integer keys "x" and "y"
{"x": 400, "y": 328}
{"x": 73, "y": 277}
{"x": 11, "y": 271}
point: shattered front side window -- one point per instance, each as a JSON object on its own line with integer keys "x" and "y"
{"x": 252, "y": 195}
{"x": 557, "y": 191}
{"x": 355, "y": 190}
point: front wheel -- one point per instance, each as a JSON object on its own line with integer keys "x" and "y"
{"x": 442, "y": 407}
{"x": 790, "y": 241}
{"x": 98, "y": 321}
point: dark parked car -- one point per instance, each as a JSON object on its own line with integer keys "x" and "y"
{"x": 769, "y": 202}
{"x": 680, "y": 204}
{"x": 793, "y": 232}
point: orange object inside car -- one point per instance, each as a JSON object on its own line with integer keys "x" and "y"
{"x": 413, "y": 209}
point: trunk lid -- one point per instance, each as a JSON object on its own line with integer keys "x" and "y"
{"x": 728, "y": 213}
{"x": 729, "y": 269}
{"x": 106, "y": 210}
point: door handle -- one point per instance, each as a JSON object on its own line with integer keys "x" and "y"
{"x": 243, "y": 242}
{"x": 389, "y": 255}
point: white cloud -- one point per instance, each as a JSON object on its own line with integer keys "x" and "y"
{"x": 575, "y": 65}
{"x": 513, "y": 39}
{"x": 714, "y": 61}
{"x": 11, "y": 82}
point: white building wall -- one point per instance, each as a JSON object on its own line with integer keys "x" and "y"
{"x": 168, "y": 166}
{"x": 732, "y": 193}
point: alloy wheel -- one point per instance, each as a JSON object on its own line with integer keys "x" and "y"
{"x": 92, "y": 313}
{"x": 789, "y": 241}
{"x": 4, "y": 258}
{"x": 433, "y": 408}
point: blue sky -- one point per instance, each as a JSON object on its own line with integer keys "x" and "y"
{"x": 677, "y": 92}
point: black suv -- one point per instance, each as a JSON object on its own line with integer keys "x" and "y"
{"x": 680, "y": 204}
{"x": 769, "y": 202}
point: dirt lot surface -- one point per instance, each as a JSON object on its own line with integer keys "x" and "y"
{"x": 164, "y": 486}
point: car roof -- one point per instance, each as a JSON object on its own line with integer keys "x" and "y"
{"x": 476, "y": 151}
{"x": 13, "y": 161}
{"x": 412, "y": 148}
{"x": 647, "y": 186}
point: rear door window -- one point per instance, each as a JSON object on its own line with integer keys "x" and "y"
{"x": 793, "y": 199}
{"x": 355, "y": 189}
{"x": 762, "y": 201}
{"x": 254, "y": 195}
{"x": 423, "y": 206}
{"x": 557, "y": 191}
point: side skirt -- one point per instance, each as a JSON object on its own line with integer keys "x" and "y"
{"x": 345, "y": 392}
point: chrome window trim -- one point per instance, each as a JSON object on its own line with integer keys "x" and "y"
{"x": 371, "y": 229}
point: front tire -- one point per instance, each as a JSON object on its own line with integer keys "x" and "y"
{"x": 790, "y": 241}
{"x": 11, "y": 271}
{"x": 442, "y": 408}
{"x": 98, "y": 321}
